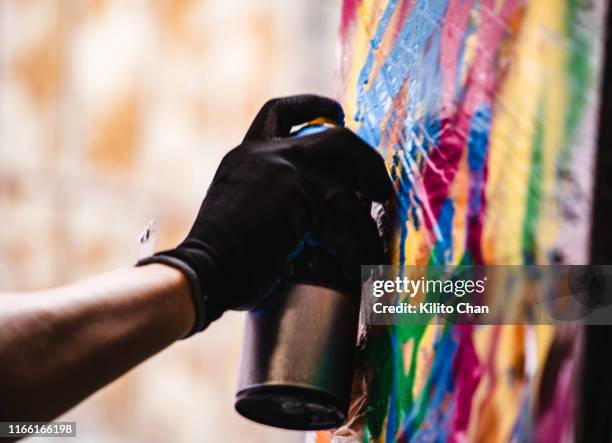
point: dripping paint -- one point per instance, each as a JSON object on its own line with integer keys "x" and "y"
{"x": 485, "y": 112}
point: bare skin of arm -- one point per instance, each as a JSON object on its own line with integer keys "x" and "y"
{"x": 58, "y": 346}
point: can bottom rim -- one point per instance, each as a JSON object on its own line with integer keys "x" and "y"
{"x": 291, "y": 407}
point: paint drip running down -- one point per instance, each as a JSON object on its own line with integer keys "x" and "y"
{"x": 485, "y": 112}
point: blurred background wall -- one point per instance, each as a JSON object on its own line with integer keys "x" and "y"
{"x": 115, "y": 112}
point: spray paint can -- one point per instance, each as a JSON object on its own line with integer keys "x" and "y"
{"x": 299, "y": 345}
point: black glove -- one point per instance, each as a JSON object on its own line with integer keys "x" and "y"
{"x": 270, "y": 196}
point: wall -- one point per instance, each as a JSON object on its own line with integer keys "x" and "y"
{"x": 114, "y": 112}
{"x": 486, "y": 114}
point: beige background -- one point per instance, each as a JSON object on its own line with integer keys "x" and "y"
{"x": 116, "y": 112}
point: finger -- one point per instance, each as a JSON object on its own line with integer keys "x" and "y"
{"x": 345, "y": 154}
{"x": 278, "y": 116}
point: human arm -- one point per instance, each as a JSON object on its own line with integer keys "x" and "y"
{"x": 58, "y": 346}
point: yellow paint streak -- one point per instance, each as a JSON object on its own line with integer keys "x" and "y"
{"x": 483, "y": 338}
{"x": 367, "y": 19}
{"x": 512, "y": 133}
{"x": 499, "y": 408}
{"x": 425, "y": 358}
{"x": 554, "y": 58}
{"x": 416, "y": 248}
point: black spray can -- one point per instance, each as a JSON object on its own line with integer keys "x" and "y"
{"x": 299, "y": 346}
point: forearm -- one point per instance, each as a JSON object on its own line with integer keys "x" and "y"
{"x": 59, "y": 346}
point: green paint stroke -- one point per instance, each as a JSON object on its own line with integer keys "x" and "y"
{"x": 579, "y": 74}
{"x": 386, "y": 361}
{"x": 534, "y": 192}
{"x": 385, "y": 358}
{"x": 379, "y": 357}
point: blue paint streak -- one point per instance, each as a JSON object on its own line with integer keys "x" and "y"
{"x": 417, "y": 48}
{"x": 415, "y": 57}
{"x": 441, "y": 385}
{"x": 308, "y": 130}
{"x": 443, "y": 249}
{"x": 522, "y": 427}
{"x": 383, "y": 23}
{"x": 477, "y": 144}
{"x": 405, "y": 61}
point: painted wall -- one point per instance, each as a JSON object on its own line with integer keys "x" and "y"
{"x": 485, "y": 111}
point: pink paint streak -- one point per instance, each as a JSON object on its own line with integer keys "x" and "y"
{"x": 557, "y": 403}
{"x": 347, "y": 17}
{"x": 466, "y": 372}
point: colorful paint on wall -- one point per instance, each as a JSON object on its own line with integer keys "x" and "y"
{"x": 485, "y": 111}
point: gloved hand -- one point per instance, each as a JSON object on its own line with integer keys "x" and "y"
{"x": 270, "y": 194}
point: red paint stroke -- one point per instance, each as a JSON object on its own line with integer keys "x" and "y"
{"x": 467, "y": 371}
{"x": 455, "y": 26}
{"x": 552, "y": 425}
{"x": 347, "y": 17}
{"x": 403, "y": 12}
